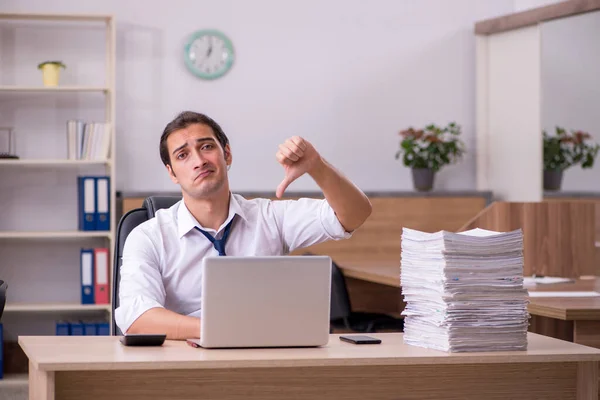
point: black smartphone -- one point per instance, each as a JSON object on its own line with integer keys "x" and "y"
{"x": 143, "y": 339}
{"x": 360, "y": 339}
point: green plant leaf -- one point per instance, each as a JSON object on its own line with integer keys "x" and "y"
{"x": 565, "y": 150}
{"x": 433, "y": 147}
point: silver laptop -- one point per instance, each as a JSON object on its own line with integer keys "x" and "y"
{"x": 276, "y": 301}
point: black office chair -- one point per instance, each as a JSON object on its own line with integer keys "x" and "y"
{"x": 129, "y": 221}
{"x": 3, "y": 287}
{"x": 342, "y": 316}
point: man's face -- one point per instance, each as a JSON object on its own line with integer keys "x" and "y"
{"x": 198, "y": 163}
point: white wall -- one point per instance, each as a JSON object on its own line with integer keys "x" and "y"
{"x": 571, "y": 86}
{"x": 524, "y": 5}
{"x": 510, "y": 150}
{"x": 345, "y": 75}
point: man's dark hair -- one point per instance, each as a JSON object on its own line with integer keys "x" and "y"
{"x": 182, "y": 121}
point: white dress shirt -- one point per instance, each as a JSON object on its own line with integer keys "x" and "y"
{"x": 162, "y": 256}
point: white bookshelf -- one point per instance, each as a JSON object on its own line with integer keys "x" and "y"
{"x": 108, "y": 19}
{"x": 41, "y": 89}
{"x": 55, "y": 307}
{"x": 52, "y": 163}
{"x": 55, "y": 234}
{"x": 16, "y": 171}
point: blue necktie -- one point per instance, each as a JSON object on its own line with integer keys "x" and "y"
{"x": 219, "y": 243}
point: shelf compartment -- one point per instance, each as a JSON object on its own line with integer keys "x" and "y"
{"x": 26, "y": 89}
{"x": 54, "y": 234}
{"x": 55, "y": 307}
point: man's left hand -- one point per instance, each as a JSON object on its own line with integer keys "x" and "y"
{"x": 297, "y": 156}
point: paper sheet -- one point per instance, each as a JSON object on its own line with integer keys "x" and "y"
{"x": 564, "y": 294}
{"x": 529, "y": 280}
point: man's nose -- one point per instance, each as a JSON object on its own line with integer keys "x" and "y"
{"x": 199, "y": 159}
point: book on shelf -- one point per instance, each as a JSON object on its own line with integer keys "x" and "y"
{"x": 88, "y": 140}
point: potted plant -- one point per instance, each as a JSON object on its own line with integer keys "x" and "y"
{"x": 563, "y": 151}
{"x": 51, "y": 72}
{"x": 427, "y": 150}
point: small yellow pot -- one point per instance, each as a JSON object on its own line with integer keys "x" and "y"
{"x": 51, "y": 72}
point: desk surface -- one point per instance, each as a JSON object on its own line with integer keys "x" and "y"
{"x": 383, "y": 272}
{"x": 567, "y": 308}
{"x": 64, "y": 353}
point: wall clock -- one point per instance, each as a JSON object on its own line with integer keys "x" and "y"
{"x": 209, "y": 54}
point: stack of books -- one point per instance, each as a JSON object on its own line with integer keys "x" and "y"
{"x": 88, "y": 141}
{"x": 464, "y": 291}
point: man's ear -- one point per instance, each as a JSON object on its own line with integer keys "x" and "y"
{"x": 172, "y": 175}
{"x": 228, "y": 157}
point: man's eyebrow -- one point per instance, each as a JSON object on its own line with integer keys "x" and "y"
{"x": 199, "y": 140}
{"x": 205, "y": 139}
{"x": 179, "y": 148}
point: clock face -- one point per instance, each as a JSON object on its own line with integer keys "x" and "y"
{"x": 209, "y": 54}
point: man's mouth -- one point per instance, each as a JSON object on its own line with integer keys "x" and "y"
{"x": 204, "y": 174}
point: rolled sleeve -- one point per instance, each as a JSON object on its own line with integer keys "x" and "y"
{"x": 141, "y": 286}
{"x": 306, "y": 222}
{"x": 331, "y": 224}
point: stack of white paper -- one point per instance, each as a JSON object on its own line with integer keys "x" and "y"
{"x": 464, "y": 291}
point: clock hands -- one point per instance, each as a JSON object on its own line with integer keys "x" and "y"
{"x": 209, "y": 49}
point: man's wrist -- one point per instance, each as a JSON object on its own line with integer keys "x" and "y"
{"x": 318, "y": 169}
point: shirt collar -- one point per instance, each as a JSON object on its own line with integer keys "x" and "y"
{"x": 186, "y": 221}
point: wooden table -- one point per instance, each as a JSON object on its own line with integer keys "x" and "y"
{"x": 576, "y": 319}
{"x": 374, "y": 286}
{"x": 99, "y": 367}
{"x": 382, "y": 272}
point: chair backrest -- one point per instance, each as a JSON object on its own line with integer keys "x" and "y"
{"x": 340, "y": 300}
{"x": 127, "y": 223}
{"x": 340, "y": 306}
{"x": 3, "y": 287}
{"x": 155, "y": 203}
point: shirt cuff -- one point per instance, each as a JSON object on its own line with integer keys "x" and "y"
{"x": 131, "y": 309}
{"x": 331, "y": 224}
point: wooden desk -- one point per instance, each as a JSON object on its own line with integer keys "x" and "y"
{"x": 88, "y": 367}
{"x": 575, "y": 319}
{"x": 382, "y": 272}
{"x": 374, "y": 286}
{"x": 566, "y": 308}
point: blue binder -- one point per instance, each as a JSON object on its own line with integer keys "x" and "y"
{"x": 87, "y": 201}
{"x": 62, "y": 328}
{"x": 86, "y": 263}
{"x": 89, "y": 328}
{"x": 102, "y": 329}
{"x": 102, "y": 203}
{"x": 76, "y": 328}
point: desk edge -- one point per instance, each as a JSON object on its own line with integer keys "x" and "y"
{"x": 505, "y": 359}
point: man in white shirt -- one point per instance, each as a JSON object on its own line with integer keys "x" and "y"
{"x": 160, "y": 285}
